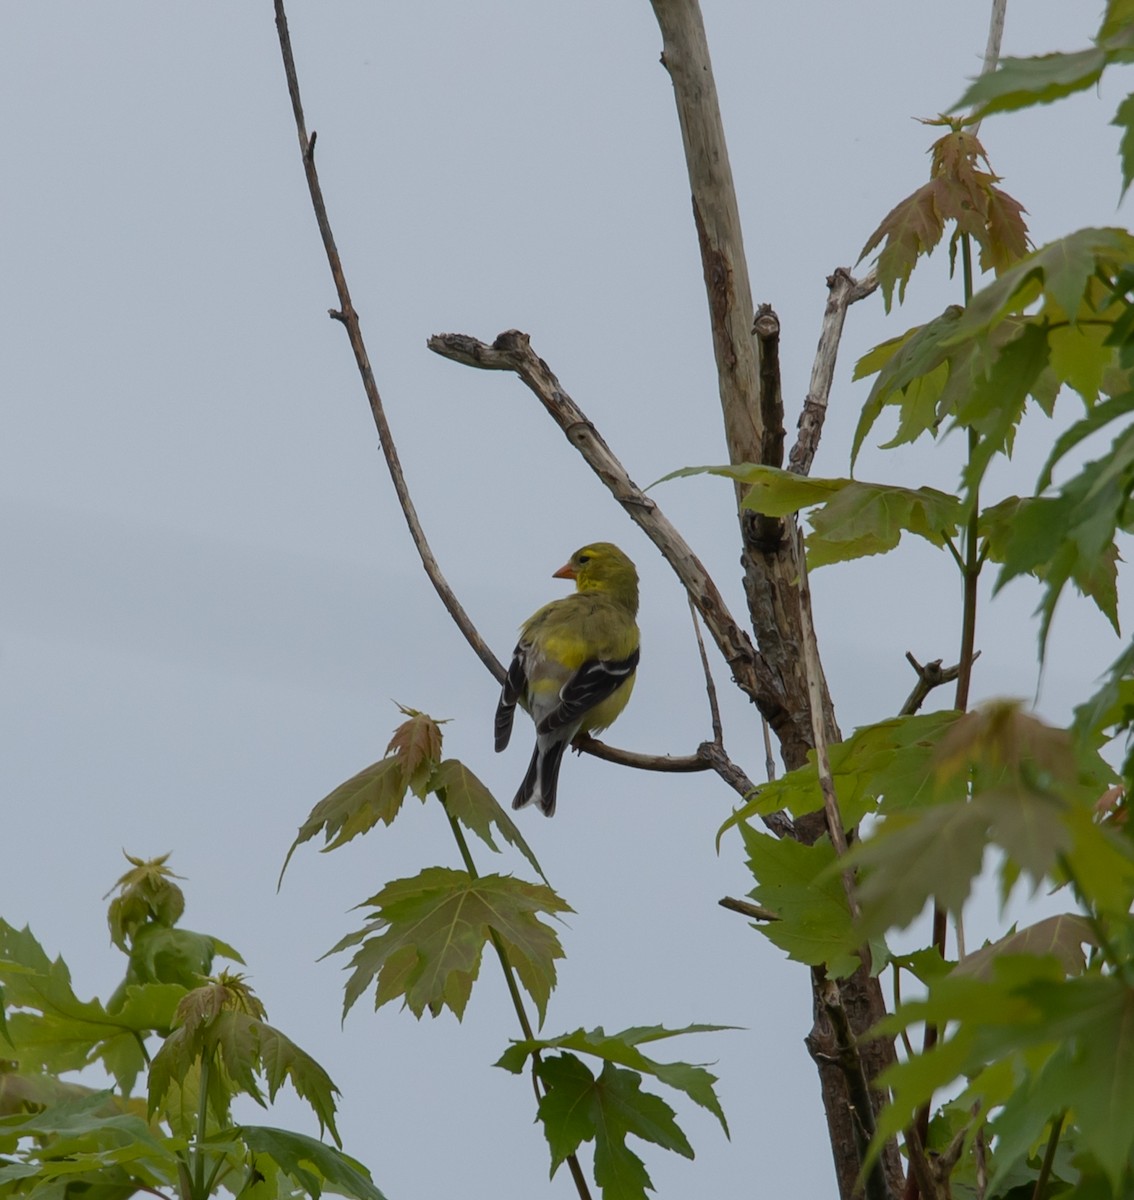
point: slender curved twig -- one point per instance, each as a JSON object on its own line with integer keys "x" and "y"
{"x": 710, "y": 686}
{"x": 349, "y": 318}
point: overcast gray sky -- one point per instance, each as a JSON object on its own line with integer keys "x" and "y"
{"x": 209, "y": 600}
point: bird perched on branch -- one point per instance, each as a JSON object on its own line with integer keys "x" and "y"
{"x": 573, "y": 668}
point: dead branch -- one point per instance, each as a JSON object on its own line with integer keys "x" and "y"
{"x": 685, "y": 55}
{"x": 766, "y": 329}
{"x": 929, "y": 676}
{"x": 843, "y": 291}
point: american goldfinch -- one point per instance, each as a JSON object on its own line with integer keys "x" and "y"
{"x": 573, "y": 668}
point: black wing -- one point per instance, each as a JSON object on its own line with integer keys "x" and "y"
{"x": 514, "y": 684}
{"x": 591, "y": 684}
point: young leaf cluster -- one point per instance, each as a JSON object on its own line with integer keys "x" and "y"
{"x": 60, "y": 1136}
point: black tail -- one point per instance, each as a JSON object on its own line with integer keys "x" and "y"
{"x": 542, "y": 779}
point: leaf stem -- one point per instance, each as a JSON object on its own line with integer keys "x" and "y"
{"x": 199, "y": 1191}
{"x": 1048, "y": 1157}
{"x": 573, "y": 1166}
{"x": 974, "y": 560}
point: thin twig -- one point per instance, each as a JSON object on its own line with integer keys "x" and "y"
{"x": 769, "y": 760}
{"x": 349, "y": 318}
{"x": 810, "y": 650}
{"x": 843, "y": 291}
{"x": 684, "y": 764}
{"x": 710, "y": 686}
{"x": 929, "y": 676}
{"x": 714, "y": 754}
{"x": 757, "y": 912}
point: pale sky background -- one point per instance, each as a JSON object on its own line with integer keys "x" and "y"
{"x": 208, "y": 598}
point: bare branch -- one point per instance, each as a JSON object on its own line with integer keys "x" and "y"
{"x": 714, "y": 754}
{"x": 843, "y": 291}
{"x": 349, "y": 318}
{"x": 673, "y": 764}
{"x": 769, "y": 759}
{"x": 685, "y": 55}
{"x": 759, "y": 528}
{"x": 512, "y": 351}
{"x": 928, "y": 677}
{"x": 995, "y": 36}
{"x": 766, "y": 328}
{"x": 755, "y": 912}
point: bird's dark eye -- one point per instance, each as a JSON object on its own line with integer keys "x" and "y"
{"x": 584, "y": 558}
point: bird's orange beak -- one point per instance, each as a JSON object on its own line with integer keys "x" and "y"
{"x": 567, "y": 571}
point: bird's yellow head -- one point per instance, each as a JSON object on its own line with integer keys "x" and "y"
{"x": 602, "y": 567}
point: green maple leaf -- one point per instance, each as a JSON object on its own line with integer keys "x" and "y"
{"x": 622, "y": 1049}
{"x": 608, "y": 1109}
{"x": 795, "y": 881}
{"x": 1020, "y": 82}
{"x": 893, "y": 759}
{"x": 994, "y": 405}
{"x": 427, "y": 934}
{"x": 1124, "y": 119}
{"x": 913, "y": 371}
{"x": 312, "y": 1165}
{"x": 1070, "y": 536}
{"x": 47, "y": 1027}
{"x": 356, "y": 806}
{"x": 915, "y": 857}
{"x": 849, "y": 518}
{"x": 1092, "y": 1072}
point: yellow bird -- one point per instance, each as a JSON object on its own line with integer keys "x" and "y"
{"x": 573, "y": 667}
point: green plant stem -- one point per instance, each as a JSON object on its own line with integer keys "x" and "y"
{"x": 1048, "y": 1158}
{"x": 573, "y": 1165}
{"x": 970, "y": 566}
{"x": 199, "y": 1191}
{"x": 974, "y": 560}
{"x": 498, "y": 946}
